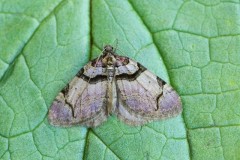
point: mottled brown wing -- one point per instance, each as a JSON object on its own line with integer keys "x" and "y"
{"x": 82, "y": 102}
{"x": 143, "y": 97}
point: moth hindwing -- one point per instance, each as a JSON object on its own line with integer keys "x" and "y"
{"x": 113, "y": 84}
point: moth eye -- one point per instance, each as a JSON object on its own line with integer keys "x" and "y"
{"x": 108, "y": 48}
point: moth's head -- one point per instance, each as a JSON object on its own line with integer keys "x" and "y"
{"x": 108, "y": 49}
{"x": 108, "y": 56}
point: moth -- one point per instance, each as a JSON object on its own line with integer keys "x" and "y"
{"x": 114, "y": 85}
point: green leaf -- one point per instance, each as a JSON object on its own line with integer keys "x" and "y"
{"x": 194, "y": 45}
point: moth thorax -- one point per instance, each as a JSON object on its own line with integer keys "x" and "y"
{"x": 109, "y": 60}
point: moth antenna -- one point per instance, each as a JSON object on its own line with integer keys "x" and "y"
{"x": 100, "y": 56}
{"x": 103, "y": 47}
{"x": 115, "y": 44}
{"x": 121, "y": 52}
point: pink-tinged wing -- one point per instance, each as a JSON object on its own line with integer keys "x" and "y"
{"x": 82, "y": 102}
{"x": 143, "y": 97}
